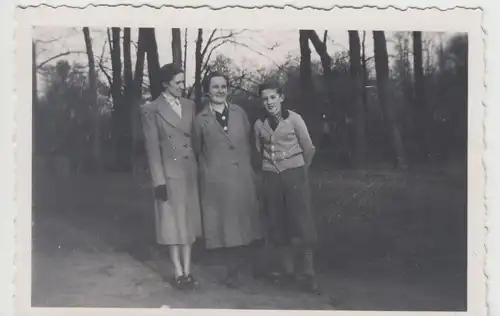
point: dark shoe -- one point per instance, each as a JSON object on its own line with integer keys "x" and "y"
{"x": 283, "y": 279}
{"x": 180, "y": 283}
{"x": 191, "y": 283}
{"x": 309, "y": 284}
{"x": 232, "y": 280}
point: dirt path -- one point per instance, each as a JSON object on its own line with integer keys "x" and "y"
{"x": 79, "y": 270}
{"x": 94, "y": 247}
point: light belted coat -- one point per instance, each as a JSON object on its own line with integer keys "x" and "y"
{"x": 168, "y": 140}
{"x": 228, "y": 195}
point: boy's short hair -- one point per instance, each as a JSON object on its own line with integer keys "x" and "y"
{"x": 271, "y": 84}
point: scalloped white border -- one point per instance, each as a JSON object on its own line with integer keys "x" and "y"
{"x": 490, "y": 121}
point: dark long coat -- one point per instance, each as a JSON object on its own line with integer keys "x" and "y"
{"x": 172, "y": 162}
{"x": 227, "y": 182}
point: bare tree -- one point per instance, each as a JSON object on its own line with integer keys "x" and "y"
{"x": 357, "y": 83}
{"x": 139, "y": 63}
{"x": 197, "y": 71}
{"x": 185, "y": 55}
{"x": 153, "y": 62}
{"x": 137, "y": 100}
{"x": 382, "y": 70}
{"x": 57, "y": 56}
{"x": 365, "y": 71}
{"x": 94, "y": 105}
{"x": 326, "y": 62}
{"x": 121, "y": 114}
{"x": 34, "y": 79}
{"x": 421, "y": 111}
{"x": 176, "y": 46}
{"x": 127, "y": 64}
{"x": 306, "y": 81}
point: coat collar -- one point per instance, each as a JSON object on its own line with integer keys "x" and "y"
{"x": 209, "y": 117}
{"x": 168, "y": 115}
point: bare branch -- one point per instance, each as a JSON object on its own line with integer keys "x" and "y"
{"x": 205, "y": 65}
{"x": 254, "y": 51}
{"x": 208, "y": 43}
{"x": 43, "y": 63}
{"x": 49, "y": 41}
{"x": 325, "y": 37}
{"x": 109, "y": 40}
{"x": 103, "y": 69}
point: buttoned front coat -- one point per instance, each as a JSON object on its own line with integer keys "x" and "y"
{"x": 227, "y": 185}
{"x": 168, "y": 141}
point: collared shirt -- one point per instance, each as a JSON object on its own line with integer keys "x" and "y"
{"x": 288, "y": 146}
{"x": 174, "y": 103}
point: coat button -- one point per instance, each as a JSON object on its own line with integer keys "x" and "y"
{"x": 185, "y": 146}
{"x": 231, "y": 147}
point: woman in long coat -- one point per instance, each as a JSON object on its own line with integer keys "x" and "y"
{"x": 167, "y": 123}
{"x": 229, "y": 202}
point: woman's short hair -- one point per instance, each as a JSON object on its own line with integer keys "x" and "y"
{"x": 169, "y": 71}
{"x": 274, "y": 85}
{"x": 208, "y": 78}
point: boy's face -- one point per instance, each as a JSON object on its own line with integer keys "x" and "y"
{"x": 272, "y": 101}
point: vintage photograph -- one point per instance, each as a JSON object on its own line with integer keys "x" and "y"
{"x": 250, "y": 169}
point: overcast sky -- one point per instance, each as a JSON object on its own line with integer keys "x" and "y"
{"x": 264, "y": 48}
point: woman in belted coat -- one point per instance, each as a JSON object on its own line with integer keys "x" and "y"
{"x": 229, "y": 202}
{"x": 167, "y": 123}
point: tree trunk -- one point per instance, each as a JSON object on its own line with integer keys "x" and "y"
{"x": 176, "y": 47}
{"x": 307, "y": 89}
{"x": 420, "y": 110}
{"x": 137, "y": 136}
{"x": 326, "y": 62}
{"x": 128, "y": 102}
{"x": 365, "y": 71}
{"x": 127, "y": 64}
{"x": 357, "y": 83}
{"x": 185, "y": 58}
{"x": 34, "y": 95}
{"x": 34, "y": 83}
{"x": 197, "y": 73}
{"x": 120, "y": 115}
{"x": 139, "y": 63}
{"x": 382, "y": 70}
{"x": 94, "y": 102}
{"x": 306, "y": 80}
{"x": 153, "y": 62}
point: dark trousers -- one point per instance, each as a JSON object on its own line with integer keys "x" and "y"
{"x": 291, "y": 228}
{"x": 288, "y": 211}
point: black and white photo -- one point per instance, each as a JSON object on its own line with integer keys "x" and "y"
{"x": 308, "y": 165}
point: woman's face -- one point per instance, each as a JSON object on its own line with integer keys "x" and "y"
{"x": 176, "y": 86}
{"x": 272, "y": 101}
{"x": 217, "y": 90}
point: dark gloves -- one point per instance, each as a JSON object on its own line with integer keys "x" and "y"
{"x": 161, "y": 192}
